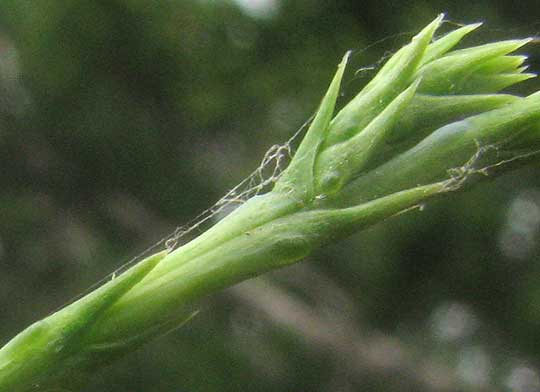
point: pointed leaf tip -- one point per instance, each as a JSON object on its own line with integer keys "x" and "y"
{"x": 520, "y": 42}
{"x": 345, "y": 58}
{"x": 474, "y": 26}
{"x": 301, "y": 169}
{"x": 430, "y": 29}
{"x": 445, "y": 43}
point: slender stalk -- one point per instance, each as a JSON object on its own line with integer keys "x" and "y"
{"x": 430, "y": 121}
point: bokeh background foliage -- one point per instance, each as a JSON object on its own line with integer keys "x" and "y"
{"x": 122, "y": 119}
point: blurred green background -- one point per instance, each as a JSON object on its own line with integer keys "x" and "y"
{"x": 121, "y": 119}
